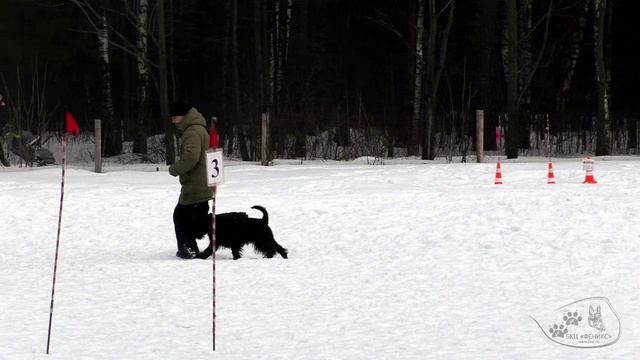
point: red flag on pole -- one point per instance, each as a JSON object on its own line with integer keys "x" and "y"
{"x": 214, "y": 137}
{"x": 71, "y": 125}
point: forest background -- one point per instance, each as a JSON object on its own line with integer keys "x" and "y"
{"x": 336, "y": 78}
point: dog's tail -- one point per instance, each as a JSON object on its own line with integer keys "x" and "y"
{"x": 265, "y": 215}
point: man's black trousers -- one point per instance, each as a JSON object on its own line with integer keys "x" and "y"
{"x": 190, "y": 220}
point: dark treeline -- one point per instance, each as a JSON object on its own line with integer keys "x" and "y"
{"x": 409, "y": 71}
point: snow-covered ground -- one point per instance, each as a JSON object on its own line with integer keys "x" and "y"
{"x": 400, "y": 261}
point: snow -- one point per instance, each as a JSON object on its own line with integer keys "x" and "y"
{"x": 406, "y": 260}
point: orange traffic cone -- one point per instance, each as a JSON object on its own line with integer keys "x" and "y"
{"x": 589, "y": 179}
{"x": 550, "y": 178}
{"x": 587, "y": 165}
{"x": 498, "y": 174}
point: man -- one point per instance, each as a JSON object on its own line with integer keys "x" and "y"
{"x": 191, "y": 214}
{"x": 3, "y": 159}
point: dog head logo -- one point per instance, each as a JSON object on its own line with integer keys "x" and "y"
{"x": 566, "y": 325}
{"x": 595, "y": 318}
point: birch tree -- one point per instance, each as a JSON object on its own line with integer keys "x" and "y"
{"x": 112, "y": 130}
{"x": 418, "y": 76}
{"x": 259, "y": 43}
{"x": 575, "y": 48}
{"x": 164, "y": 85}
{"x": 511, "y": 58}
{"x": 138, "y": 16}
{"x": 235, "y": 55}
{"x": 487, "y": 70}
{"x": 600, "y": 8}
{"x": 519, "y": 78}
{"x": 278, "y": 45}
{"x": 436, "y": 56}
{"x": 142, "y": 39}
{"x": 113, "y": 139}
{"x": 525, "y": 55}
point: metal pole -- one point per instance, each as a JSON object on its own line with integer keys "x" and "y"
{"x": 55, "y": 263}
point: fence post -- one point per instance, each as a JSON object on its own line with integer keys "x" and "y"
{"x": 480, "y": 136}
{"x": 98, "y": 137}
{"x": 264, "y": 148}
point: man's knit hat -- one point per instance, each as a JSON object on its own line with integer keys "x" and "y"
{"x": 179, "y": 108}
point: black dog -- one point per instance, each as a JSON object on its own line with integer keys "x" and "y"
{"x": 236, "y": 229}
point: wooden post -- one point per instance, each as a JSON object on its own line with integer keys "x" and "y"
{"x": 480, "y": 136}
{"x": 264, "y": 153}
{"x": 98, "y": 137}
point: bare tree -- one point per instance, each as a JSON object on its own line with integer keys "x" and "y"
{"x": 99, "y": 20}
{"x": 487, "y": 70}
{"x": 138, "y": 14}
{"x": 164, "y": 91}
{"x": 525, "y": 55}
{"x": 112, "y": 141}
{"x": 418, "y": 76}
{"x": 142, "y": 39}
{"x": 519, "y": 81}
{"x": 437, "y": 45}
{"x": 600, "y": 8}
{"x": 236, "y": 81}
{"x": 511, "y": 59}
{"x": 582, "y": 8}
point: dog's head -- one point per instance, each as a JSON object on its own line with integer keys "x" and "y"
{"x": 595, "y": 318}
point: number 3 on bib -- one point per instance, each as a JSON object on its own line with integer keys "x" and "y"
{"x": 215, "y": 173}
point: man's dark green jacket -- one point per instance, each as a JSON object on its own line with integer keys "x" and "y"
{"x": 192, "y": 165}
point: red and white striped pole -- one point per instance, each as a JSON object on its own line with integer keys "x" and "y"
{"x": 70, "y": 127}
{"x": 213, "y": 262}
{"x": 213, "y": 144}
{"x": 55, "y": 262}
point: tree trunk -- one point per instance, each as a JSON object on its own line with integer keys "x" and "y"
{"x": 125, "y": 119}
{"x": 299, "y": 70}
{"x": 278, "y": 54}
{"x": 287, "y": 34}
{"x": 575, "y": 48}
{"x": 632, "y": 129}
{"x": 524, "y": 51}
{"x": 171, "y": 61}
{"x": 244, "y": 153}
{"x": 227, "y": 127}
{"x": 487, "y": 74}
{"x": 164, "y": 84}
{"x": 272, "y": 61}
{"x": 140, "y": 137}
{"x": 112, "y": 141}
{"x": 418, "y": 76}
{"x": 430, "y": 63}
{"x": 435, "y": 61}
{"x": 260, "y": 64}
{"x": 600, "y": 7}
{"x": 512, "y": 133}
{"x": 525, "y": 71}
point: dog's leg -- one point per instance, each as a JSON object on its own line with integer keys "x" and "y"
{"x": 282, "y": 251}
{"x": 270, "y": 249}
{"x": 237, "y": 253}
{"x": 205, "y": 253}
